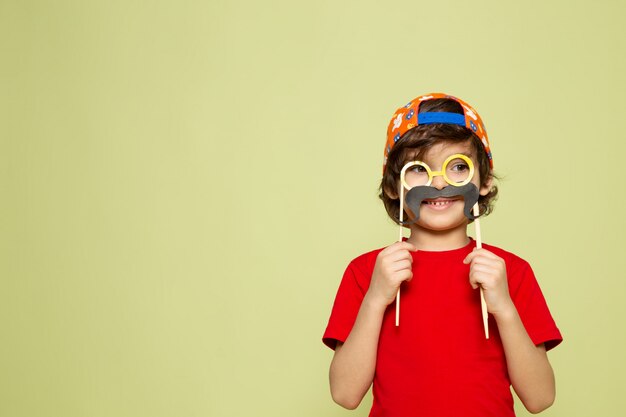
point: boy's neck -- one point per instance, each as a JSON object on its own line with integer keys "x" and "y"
{"x": 434, "y": 241}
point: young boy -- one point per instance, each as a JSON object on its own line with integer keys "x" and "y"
{"x": 437, "y": 361}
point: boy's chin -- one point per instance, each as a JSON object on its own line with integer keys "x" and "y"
{"x": 439, "y": 225}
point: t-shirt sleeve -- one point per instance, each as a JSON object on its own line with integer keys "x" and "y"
{"x": 533, "y": 309}
{"x": 346, "y": 307}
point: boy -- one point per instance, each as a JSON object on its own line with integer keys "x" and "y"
{"x": 437, "y": 362}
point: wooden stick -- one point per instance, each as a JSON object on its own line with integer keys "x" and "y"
{"x": 401, "y": 215}
{"x": 479, "y": 245}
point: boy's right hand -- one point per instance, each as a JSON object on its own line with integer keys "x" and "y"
{"x": 394, "y": 264}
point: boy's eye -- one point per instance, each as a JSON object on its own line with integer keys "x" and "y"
{"x": 418, "y": 168}
{"x": 460, "y": 167}
{"x": 458, "y": 170}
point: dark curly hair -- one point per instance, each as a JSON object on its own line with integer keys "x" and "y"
{"x": 423, "y": 137}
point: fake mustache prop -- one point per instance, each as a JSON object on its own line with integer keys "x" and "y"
{"x": 416, "y": 195}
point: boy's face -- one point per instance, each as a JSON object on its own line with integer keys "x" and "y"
{"x": 445, "y": 213}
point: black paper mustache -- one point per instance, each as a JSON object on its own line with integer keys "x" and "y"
{"x": 416, "y": 195}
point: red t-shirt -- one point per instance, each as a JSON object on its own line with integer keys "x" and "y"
{"x": 438, "y": 362}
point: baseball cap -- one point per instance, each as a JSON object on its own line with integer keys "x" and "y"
{"x": 407, "y": 117}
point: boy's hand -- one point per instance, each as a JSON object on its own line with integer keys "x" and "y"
{"x": 394, "y": 264}
{"x": 488, "y": 271}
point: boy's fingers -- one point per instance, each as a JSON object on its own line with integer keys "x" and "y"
{"x": 485, "y": 262}
{"x": 407, "y": 275}
{"x": 480, "y": 268}
{"x": 405, "y": 246}
{"x": 488, "y": 254}
{"x": 475, "y": 281}
{"x": 395, "y": 247}
{"x": 480, "y": 253}
{"x": 400, "y": 255}
{"x": 397, "y": 251}
{"x": 401, "y": 245}
{"x": 405, "y": 264}
{"x": 469, "y": 257}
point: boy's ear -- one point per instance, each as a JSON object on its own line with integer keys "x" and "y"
{"x": 486, "y": 188}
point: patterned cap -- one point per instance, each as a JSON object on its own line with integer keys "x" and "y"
{"x": 407, "y": 117}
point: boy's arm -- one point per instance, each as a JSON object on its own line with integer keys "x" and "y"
{"x": 528, "y": 366}
{"x": 353, "y": 365}
{"x": 354, "y": 362}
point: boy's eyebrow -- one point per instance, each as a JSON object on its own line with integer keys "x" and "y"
{"x": 413, "y": 157}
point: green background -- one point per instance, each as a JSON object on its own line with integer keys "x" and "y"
{"x": 183, "y": 183}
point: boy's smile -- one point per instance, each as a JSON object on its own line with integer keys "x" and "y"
{"x": 440, "y": 203}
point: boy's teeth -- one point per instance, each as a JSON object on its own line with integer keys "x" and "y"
{"x": 438, "y": 203}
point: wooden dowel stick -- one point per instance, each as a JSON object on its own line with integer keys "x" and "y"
{"x": 398, "y": 308}
{"x": 479, "y": 245}
{"x": 401, "y": 215}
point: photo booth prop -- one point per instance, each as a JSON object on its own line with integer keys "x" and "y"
{"x": 416, "y": 177}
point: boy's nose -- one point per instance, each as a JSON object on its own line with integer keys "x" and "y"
{"x": 439, "y": 182}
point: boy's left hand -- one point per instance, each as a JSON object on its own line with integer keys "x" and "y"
{"x": 488, "y": 271}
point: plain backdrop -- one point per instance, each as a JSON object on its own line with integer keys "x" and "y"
{"x": 182, "y": 184}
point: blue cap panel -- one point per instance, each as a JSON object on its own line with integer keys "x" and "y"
{"x": 428, "y": 118}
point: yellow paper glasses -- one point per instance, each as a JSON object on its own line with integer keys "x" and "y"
{"x": 457, "y": 170}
